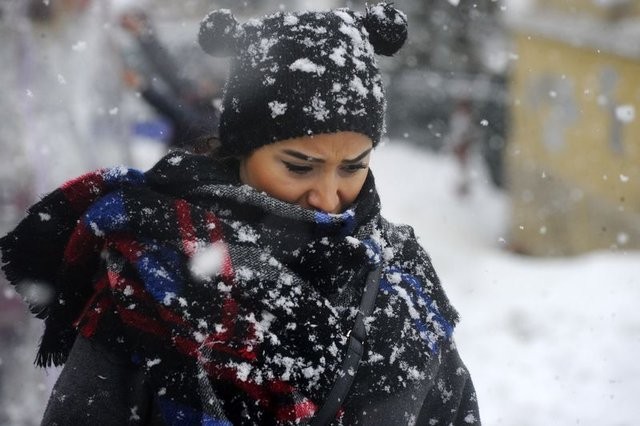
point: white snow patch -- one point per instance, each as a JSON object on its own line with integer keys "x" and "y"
{"x": 469, "y": 418}
{"x": 253, "y": 22}
{"x": 208, "y": 261}
{"x": 378, "y": 92}
{"x": 243, "y": 370}
{"x": 306, "y": 65}
{"x": 338, "y": 56}
{"x": 223, "y": 287}
{"x": 290, "y": 20}
{"x": 277, "y": 108}
{"x": 622, "y": 238}
{"x": 175, "y": 160}
{"x": 153, "y": 362}
{"x": 134, "y": 416}
{"x": 168, "y": 298}
{"x": 318, "y": 109}
{"x": 346, "y": 17}
{"x": 244, "y": 273}
{"x": 356, "y": 85}
{"x": 198, "y": 336}
{"x": 246, "y": 234}
{"x": 96, "y": 230}
{"x": 625, "y": 113}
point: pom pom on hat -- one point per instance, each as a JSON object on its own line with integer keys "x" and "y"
{"x": 387, "y": 28}
{"x": 220, "y": 33}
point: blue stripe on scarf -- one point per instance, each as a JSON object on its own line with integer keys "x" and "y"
{"x": 419, "y": 324}
{"x": 323, "y": 218}
{"x": 345, "y": 221}
{"x": 106, "y": 215}
{"x": 414, "y": 282}
{"x": 372, "y": 252}
{"x": 176, "y": 414}
{"x": 117, "y": 176}
{"x": 159, "y": 277}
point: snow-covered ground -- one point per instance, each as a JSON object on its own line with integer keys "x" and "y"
{"x": 548, "y": 341}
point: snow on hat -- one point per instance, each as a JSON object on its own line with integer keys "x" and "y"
{"x": 299, "y": 74}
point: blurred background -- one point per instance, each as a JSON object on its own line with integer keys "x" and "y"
{"x": 513, "y": 148}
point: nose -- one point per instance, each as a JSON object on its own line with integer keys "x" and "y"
{"x": 325, "y": 195}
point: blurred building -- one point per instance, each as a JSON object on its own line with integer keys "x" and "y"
{"x": 574, "y": 154}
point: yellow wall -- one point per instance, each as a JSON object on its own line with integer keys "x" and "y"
{"x": 573, "y": 188}
{"x": 591, "y": 8}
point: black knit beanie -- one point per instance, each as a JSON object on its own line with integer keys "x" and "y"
{"x": 300, "y": 74}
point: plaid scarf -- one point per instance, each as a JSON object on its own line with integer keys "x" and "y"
{"x": 236, "y": 305}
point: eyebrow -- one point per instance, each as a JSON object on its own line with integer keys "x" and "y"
{"x": 304, "y": 157}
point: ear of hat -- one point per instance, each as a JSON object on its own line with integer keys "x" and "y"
{"x": 387, "y": 28}
{"x": 220, "y": 33}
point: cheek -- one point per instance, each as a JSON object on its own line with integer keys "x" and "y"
{"x": 276, "y": 183}
{"x": 352, "y": 187}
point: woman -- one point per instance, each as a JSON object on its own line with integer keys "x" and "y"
{"x": 260, "y": 286}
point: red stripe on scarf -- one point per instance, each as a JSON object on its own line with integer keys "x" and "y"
{"x": 135, "y": 290}
{"x": 84, "y": 190}
{"x": 169, "y": 315}
{"x": 193, "y": 348}
{"x": 242, "y": 353}
{"x": 185, "y": 227}
{"x": 96, "y": 306}
{"x": 144, "y": 323}
{"x": 82, "y": 245}
{"x": 279, "y": 386}
{"x": 255, "y": 391}
{"x": 128, "y": 287}
{"x": 298, "y": 411}
{"x": 261, "y": 395}
{"x": 130, "y": 249}
{"x": 187, "y": 346}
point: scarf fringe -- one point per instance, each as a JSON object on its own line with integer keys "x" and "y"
{"x": 55, "y": 344}
{"x": 46, "y": 358}
{"x": 13, "y": 267}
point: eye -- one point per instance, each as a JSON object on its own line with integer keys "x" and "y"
{"x": 296, "y": 168}
{"x": 354, "y": 168}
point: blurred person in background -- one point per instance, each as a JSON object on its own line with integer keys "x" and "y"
{"x": 258, "y": 284}
{"x": 187, "y": 105}
{"x": 461, "y": 140}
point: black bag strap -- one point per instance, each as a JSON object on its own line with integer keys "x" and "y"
{"x": 357, "y": 337}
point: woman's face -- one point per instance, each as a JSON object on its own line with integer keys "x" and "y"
{"x": 321, "y": 172}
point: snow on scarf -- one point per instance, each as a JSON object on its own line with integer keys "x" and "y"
{"x": 237, "y": 305}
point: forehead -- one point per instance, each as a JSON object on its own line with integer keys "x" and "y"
{"x": 339, "y": 146}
